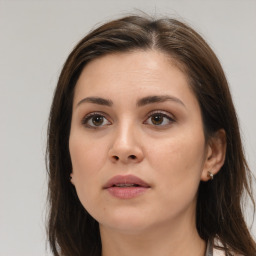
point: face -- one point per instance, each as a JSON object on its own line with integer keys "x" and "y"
{"x": 137, "y": 144}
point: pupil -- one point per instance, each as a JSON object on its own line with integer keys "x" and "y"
{"x": 157, "y": 119}
{"x": 97, "y": 120}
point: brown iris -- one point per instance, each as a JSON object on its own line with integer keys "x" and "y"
{"x": 157, "y": 119}
{"x": 97, "y": 120}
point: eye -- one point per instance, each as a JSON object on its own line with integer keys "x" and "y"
{"x": 159, "y": 119}
{"x": 95, "y": 120}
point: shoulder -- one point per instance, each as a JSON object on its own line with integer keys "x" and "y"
{"x": 219, "y": 252}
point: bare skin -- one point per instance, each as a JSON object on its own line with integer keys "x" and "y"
{"x": 160, "y": 141}
{"x": 183, "y": 240}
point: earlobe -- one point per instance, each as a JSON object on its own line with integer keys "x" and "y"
{"x": 71, "y": 177}
{"x": 210, "y": 175}
{"x": 215, "y": 157}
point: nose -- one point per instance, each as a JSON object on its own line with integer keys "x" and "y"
{"x": 126, "y": 147}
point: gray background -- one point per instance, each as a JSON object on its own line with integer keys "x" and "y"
{"x": 35, "y": 39}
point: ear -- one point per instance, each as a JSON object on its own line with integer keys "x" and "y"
{"x": 71, "y": 177}
{"x": 215, "y": 154}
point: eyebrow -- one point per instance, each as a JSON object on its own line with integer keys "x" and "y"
{"x": 96, "y": 100}
{"x": 141, "y": 102}
{"x": 156, "y": 99}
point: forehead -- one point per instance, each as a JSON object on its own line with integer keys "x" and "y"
{"x": 132, "y": 74}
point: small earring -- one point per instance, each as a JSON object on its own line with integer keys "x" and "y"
{"x": 209, "y": 174}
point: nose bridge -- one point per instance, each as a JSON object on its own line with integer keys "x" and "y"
{"x": 125, "y": 133}
{"x": 126, "y": 143}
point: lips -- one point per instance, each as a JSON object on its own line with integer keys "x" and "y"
{"x": 126, "y": 187}
{"x": 126, "y": 181}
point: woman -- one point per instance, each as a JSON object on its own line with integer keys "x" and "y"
{"x": 144, "y": 150}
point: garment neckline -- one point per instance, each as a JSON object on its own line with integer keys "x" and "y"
{"x": 209, "y": 248}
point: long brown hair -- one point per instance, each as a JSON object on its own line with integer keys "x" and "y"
{"x": 71, "y": 230}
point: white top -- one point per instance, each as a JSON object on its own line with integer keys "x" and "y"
{"x": 217, "y": 252}
{"x": 211, "y": 251}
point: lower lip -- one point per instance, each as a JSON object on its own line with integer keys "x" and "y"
{"x": 127, "y": 192}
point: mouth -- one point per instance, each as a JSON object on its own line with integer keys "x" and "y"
{"x": 126, "y": 181}
{"x": 126, "y": 187}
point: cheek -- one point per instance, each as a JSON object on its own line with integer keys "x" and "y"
{"x": 183, "y": 155}
{"x": 87, "y": 154}
{"x": 178, "y": 163}
{"x": 87, "y": 160}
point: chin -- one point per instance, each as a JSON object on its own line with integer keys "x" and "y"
{"x": 126, "y": 222}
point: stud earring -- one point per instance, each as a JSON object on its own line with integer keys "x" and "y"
{"x": 70, "y": 177}
{"x": 209, "y": 174}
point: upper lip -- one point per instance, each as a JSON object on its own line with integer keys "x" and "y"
{"x": 126, "y": 179}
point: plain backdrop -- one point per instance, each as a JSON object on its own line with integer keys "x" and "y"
{"x": 35, "y": 39}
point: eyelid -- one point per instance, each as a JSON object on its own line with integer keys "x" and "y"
{"x": 87, "y": 117}
{"x": 166, "y": 114}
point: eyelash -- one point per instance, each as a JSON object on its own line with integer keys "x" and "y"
{"x": 170, "y": 118}
{"x": 89, "y": 117}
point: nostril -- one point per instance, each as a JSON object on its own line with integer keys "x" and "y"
{"x": 132, "y": 156}
{"x": 116, "y": 157}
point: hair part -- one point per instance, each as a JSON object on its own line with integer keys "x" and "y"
{"x": 71, "y": 230}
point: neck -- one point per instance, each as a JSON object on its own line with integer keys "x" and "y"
{"x": 180, "y": 239}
